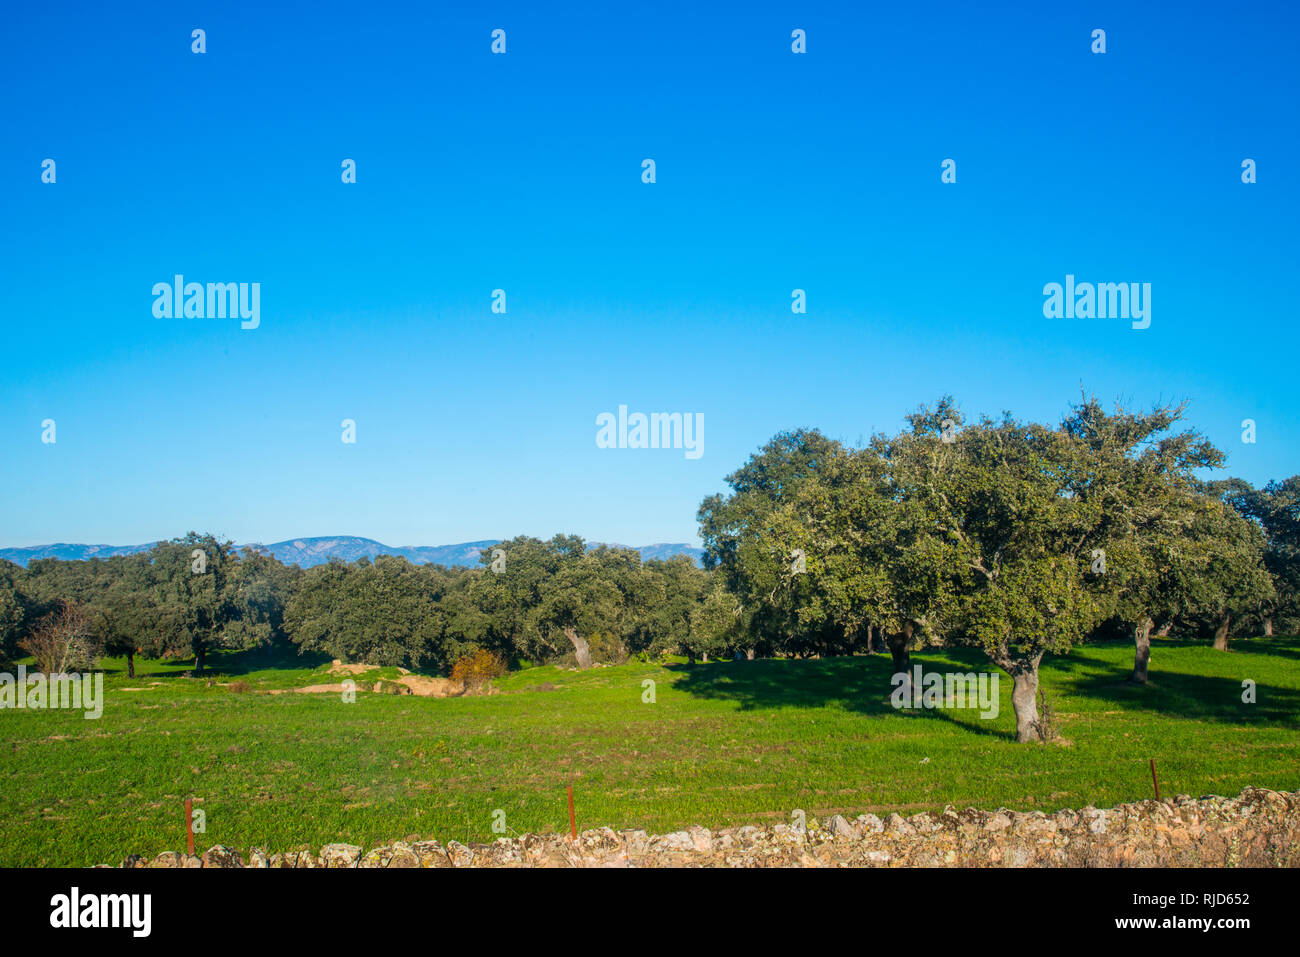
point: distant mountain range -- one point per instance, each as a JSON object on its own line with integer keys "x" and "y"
{"x": 307, "y": 552}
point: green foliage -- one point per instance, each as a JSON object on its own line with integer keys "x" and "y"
{"x": 13, "y": 610}
{"x": 383, "y": 612}
{"x": 1275, "y": 511}
{"x": 715, "y": 624}
{"x": 386, "y": 612}
{"x": 556, "y": 598}
{"x": 750, "y": 537}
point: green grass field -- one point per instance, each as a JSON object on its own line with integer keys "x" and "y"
{"x": 725, "y": 743}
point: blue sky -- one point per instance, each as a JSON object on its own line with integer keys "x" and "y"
{"x": 775, "y": 171}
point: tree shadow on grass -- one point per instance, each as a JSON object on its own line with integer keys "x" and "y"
{"x": 230, "y": 663}
{"x": 1274, "y": 647}
{"x": 861, "y": 684}
{"x": 856, "y": 683}
{"x": 222, "y": 664}
{"x": 1191, "y": 696}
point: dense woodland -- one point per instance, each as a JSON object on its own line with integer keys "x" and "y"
{"x": 1017, "y": 538}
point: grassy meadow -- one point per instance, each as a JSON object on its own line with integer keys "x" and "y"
{"x": 724, "y": 743}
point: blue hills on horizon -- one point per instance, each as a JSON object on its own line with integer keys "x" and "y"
{"x": 306, "y": 552}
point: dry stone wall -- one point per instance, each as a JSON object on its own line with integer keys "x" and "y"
{"x": 1259, "y": 828}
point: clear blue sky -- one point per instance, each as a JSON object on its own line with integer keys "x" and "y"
{"x": 523, "y": 172}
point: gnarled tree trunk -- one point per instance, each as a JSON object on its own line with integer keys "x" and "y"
{"x": 200, "y": 656}
{"x": 900, "y": 651}
{"x": 1221, "y": 634}
{"x": 1163, "y": 630}
{"x": 1268, "y": 627}
{"x": 130, "y": 664}
{"x": 581, "y": 651}
{"x": 1142, "y": 655}
{"x": 1024, "y": 693}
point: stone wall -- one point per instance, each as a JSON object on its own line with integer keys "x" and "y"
{"x": 1259, "y": 828}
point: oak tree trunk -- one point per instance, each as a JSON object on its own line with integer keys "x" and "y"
{"x": 749, "y": 654}
{"x": 1024, "y": 698}
{"x": 1024, "y": 693}
{"x": 1268, "y": 627}
{"x": 900, "y": 654}
{"x": 200, "y": 656}
{"x": 1163, "y": 630}
{"x": 1142, "y": 638}
{"x": 581, "y": 651}
{"x": 1221, "y": 634}
{"x": 130, "y": 664}
{"x": 900, "y": 651}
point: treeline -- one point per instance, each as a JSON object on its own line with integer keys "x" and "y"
{"x": 1018, "y": 538}
{"x": 534, "y": 600}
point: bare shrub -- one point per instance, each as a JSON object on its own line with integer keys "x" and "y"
{"x": 63, "y": 641}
